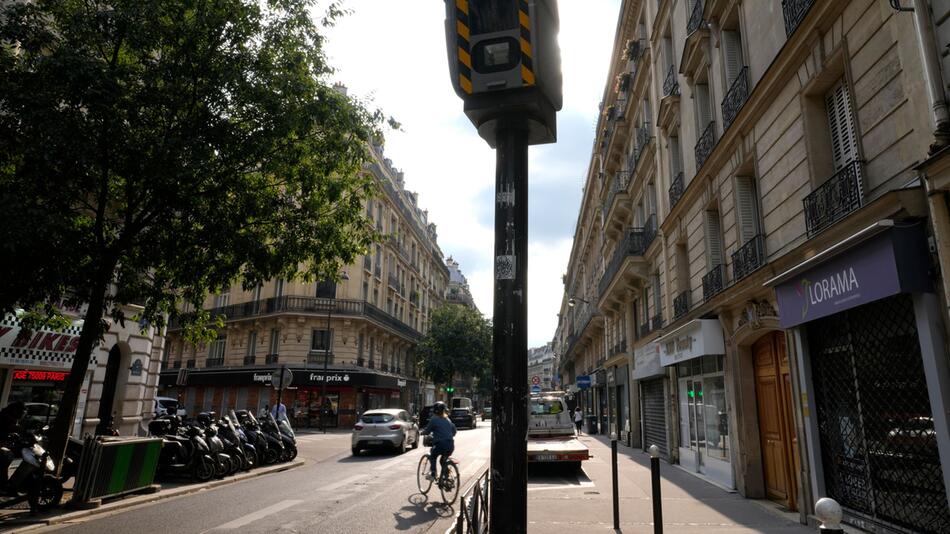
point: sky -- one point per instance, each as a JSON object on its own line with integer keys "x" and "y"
{"x": 392, "y": 54}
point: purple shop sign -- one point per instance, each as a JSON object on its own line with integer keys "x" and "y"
{"x": 885, "y": 265}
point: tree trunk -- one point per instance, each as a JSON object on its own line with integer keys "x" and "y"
{"x": 88, "y": 338}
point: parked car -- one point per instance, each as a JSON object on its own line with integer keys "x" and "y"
{"x": 378, "y": 429}
{"x": 168, "y": 406}
{"x": 463, "y": 417}
{"x": 486, "y": 413}
{"x": 39, "y": 414}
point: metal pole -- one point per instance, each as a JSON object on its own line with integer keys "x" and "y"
{"x": 509, "y": 468}
{"x": 323, "y": 385}
{"x": 280, "y": 391}
{"x": 655, "y": 476}
{"x": 613, "y": 472}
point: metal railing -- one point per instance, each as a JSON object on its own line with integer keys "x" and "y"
{"x": 735, "y": 98}
{"x": 671, "y": 84}
{"x": 649, "y": 231}
{"x": 795, "y": 11}
{"x": 620, "y": 184}
{"x": 705, "y": 145}
{"x": 645, "y": 329}
{"x": 318, "y": 356}
{"x": 681, "y": 304}
{"x": 643, "y": 138}
{"x": 619, "y": 348}
{"x": 656, "y": 322}
{"x": 189, "y": 364}
{"x": 214, "y": 362}
{"x": 714, "y": 281}
{"x": 474, "y": 507}
{"x": 677, "y": 187}
{"x": 748, "y": 258}
{"x": 632, "y": 245}
{"x": 176, "y": 364}
{"x": 834, "y": 199}
{"x": 695, "y": 17}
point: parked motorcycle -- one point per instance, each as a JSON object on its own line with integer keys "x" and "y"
{"x": 184, "y": 449}
{"x": 269, "y": 448}
{"x": 34, "y": 480}
{"x": 282, "y": 431}
{"x": 232, "y": 432}
{"x": 223, "y": 463}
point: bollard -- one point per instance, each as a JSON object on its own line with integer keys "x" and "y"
{"x": 828, "y": 511}
{"x": 613, "y": 471}
{"x": 655, "y": 475}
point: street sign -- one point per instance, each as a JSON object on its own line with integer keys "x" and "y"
{"x": 275, "y": 378}
{"x": 583, "y": 381}
{"x": 535, "y": 389}
{"x": 535, "y": 380}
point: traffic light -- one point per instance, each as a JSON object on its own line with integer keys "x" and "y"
{"x": 450, "y": 389}
{"x": 505, "y": 63}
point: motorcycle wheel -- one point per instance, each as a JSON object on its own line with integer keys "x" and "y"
{"x": 222, "y": 468}
{"x": 204, "y": 469}
{"x": 271, "y": 456}
{"x": 292, "y": 452}
{"x": 250, "y": 460}
{"x": 46, "y": 495}
{"x": 237, "y": 463}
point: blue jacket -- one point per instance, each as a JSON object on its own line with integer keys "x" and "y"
{"x": 442, "y": 430}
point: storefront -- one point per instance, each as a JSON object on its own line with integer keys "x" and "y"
{"x": 697, "y": 351}
{"x": 651, "y": 377}
{"x": 869, "y": 340}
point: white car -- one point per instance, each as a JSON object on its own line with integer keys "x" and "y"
{"x": 389, "y": 429}
{"x": 168, "y": 406}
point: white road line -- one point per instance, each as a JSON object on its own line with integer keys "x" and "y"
{"x": 260, "y": 514}
{"x": 344, "y": 482}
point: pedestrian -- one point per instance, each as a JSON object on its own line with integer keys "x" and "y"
{"x": 279, "y": 411}
{"x": 578, "y": 418}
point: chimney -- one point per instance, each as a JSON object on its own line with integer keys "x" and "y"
{"x": 340, "y": 88}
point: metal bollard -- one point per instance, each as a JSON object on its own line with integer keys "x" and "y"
{"x": 655, "y": 475}
{"x": 613, "y": 471}
{"x": 828, "y": 511}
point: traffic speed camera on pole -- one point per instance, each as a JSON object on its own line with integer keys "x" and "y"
{"x": 505, "y": 64}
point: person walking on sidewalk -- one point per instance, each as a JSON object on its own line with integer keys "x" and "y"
{"x": 578, "y": 418}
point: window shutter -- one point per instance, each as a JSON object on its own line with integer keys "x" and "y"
{"x": 703, "y": 111}
{"x": 841, "y": 125}
{"x": 713, "y": 238}
{"x": 676, "y": 162}
{"x": 732, "y": 50}
{"x": 656, "y": 293}
{"x": 652, "y": 194}
{"x": 746, "y": 212}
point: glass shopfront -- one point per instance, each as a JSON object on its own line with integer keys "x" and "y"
{"x": 704, "y": 422}
{"x": 41, "y": 391}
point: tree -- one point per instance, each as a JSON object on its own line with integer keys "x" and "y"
{"x": 154, "y": 152}
{"x": 458, "y": 341}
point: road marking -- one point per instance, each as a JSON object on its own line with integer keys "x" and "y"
{"x": 260, "y": 514}
{"x": 344, "y": 482}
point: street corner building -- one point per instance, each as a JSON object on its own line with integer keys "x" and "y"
{"x": 758, "y": 283}
{"x": 354, "y": 340}
{"x": 120, "y": 382}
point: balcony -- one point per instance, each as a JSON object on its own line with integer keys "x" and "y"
{"x": 649, "y": 231}
{"x": 705, "y": 145}
{"x": 619, "y": 186}
{"x": 214, "y": 362}
{"x": 671, "y": 85}
{"x": 695, "y": 47}
{"x": 735, "y": 98}
{"x": 632, "y": 245}
{"x": 714, "y": 281}
{"x": 677, "y": 187}
{"x": 681, "y": 305}
{"x": 643, "y": 139}
{"x": 834, "y": 199}
{"x": 619, "y": 348}
{"x": 271, "y": 358}
{"x": 695, "y": 18}
{"x": 644, "y": 330}
{"x": 189, "y": 364}
{"x": 656, "y": 322}
{"x": 748, "y": 258}
{"x": 635, "y": 50}
{"x": 795, "y": 11}
{"x": 250, "y": 360}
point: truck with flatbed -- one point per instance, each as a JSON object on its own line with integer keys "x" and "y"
{"x": 551, "y": 434}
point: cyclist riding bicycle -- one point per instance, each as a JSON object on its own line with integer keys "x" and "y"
{"x": 443, "y": 436}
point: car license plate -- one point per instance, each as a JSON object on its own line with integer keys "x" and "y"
{"x": 375, "y": 442}
{"x": 546, "y": 457}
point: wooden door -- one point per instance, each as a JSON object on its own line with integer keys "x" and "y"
{"x": 776, "y": 435}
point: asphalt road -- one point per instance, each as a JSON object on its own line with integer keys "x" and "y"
{"x": 332, "y": 493}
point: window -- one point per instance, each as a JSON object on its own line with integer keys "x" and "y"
{"x": 326, "y": 289}
{"x": 714, "y": 251}
{"x": 682, "y": 267}
{"x": 657, "y": 301}
{"x": 252, "y": 344}
{"x": 703, "y": 107}
{"x": 365, "y": 290}
{"x": 279, "y": 288}
{"x": 216, "y": 351}
{"x": 222, "y": 299}
{"x": 274, "y": 341}
{"x": 676, "y": 155}
{"x": 256, "y": 294}
{"x": 321, "y": 340}
{"x": 747, "y": 211}
{"x": 732, "y": 55}
{"x": 359, "y": 350}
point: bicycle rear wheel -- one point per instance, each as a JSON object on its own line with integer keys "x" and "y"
{"x": 450, "y": 483}
{"x": 424, "y": 483}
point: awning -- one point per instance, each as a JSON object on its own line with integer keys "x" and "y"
{"x": 700, "y": 337}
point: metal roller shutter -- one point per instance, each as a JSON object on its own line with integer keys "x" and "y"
{"x": 654, "y": 415}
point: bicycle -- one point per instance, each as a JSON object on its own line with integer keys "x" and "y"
{"x": 448, "y": 480}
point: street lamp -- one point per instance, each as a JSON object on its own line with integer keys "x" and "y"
{"x": 326, "y": 360}
{"x": 571, "y": 302}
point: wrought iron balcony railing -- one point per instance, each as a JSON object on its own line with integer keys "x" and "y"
{"x": 644, "y": 329}
{"x": 671, "y": 84}
{"x": 649, "y": 231}
{"x": 735, "y": 98}
{"x": 214, "y": 362}
{"x": 748, "y": 258}
{"x": 632, "y": 245}
{"x": 643, "y": 137}
{"x": 681, "y": 305}
{"x": 656, "y": 322}
{"x": 795, "y": 11}
{"x": 677, "y": 187}
{"x": 620, "y": 184}
{"x": 271, "y": 358}
{"x": 714, "y": 281}
{"x": 695, "y": 17}
{"x": 706, "y": 144}
{"x": 834, "y": 199}
{"x": 619, "y": 348}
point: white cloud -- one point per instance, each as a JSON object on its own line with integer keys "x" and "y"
{"x": 394, "y": 53}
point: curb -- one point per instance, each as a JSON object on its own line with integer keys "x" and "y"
{"x": 135, "y": 500}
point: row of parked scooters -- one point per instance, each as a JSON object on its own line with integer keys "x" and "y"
{"x": 211, "y": 447}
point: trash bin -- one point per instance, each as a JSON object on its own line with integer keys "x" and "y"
{"x": 591, "y": 424}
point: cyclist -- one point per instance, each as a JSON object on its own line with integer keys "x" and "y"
{"x": 443, "y": 436}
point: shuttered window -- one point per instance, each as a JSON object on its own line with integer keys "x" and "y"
{"x": 703, "y": 109}
{"x": 841, "y": 125}
{"x": 732, "y": 55}
{"x": 657, "y": 304}
{"x": 676, "y": 156}
{"x": 274, "y": 341}
{"x": 747, "y": 212}
{"x": 713, "y": 239}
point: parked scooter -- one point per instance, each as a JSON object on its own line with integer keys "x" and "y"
{"x": 269, "y": 448}
{"x": 223, "y": 464}
{"x": 184, "y": 449}
{"x": 283, "y": 432}
{"x": 231, "y": 432}
{"x": 34, "y": 480}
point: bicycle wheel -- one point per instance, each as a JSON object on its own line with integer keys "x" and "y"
{"x": 424, "y": 483}
{"x": 450, "y": 483}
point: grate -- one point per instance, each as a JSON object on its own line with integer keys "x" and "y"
{"x": 878, "y": 444}
{"x": 654, "y": 415}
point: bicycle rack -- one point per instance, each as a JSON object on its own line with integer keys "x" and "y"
{"x": 473, "y": 507}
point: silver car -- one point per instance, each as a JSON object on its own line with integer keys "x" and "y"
{"x": 390, "y": 428}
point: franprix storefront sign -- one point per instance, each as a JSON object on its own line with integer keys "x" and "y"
{"x": 885, "y": 265}
{"x": 302, "y": 377}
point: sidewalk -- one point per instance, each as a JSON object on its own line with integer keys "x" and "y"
{"x": 690, "y": 504}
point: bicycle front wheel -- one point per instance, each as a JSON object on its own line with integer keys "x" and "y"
{"x": 424, "y": 483}
{"x": 450, "y": 483}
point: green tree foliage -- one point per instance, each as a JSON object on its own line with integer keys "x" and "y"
{"x": 458, "y": 341}
{"x": 153, "y": 152}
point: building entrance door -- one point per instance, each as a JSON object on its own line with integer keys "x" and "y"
{"x": 776, "y": 427}
{"x": 704, "y": 422}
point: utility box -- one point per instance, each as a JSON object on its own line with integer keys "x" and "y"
{"x": 505, "y": 63}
